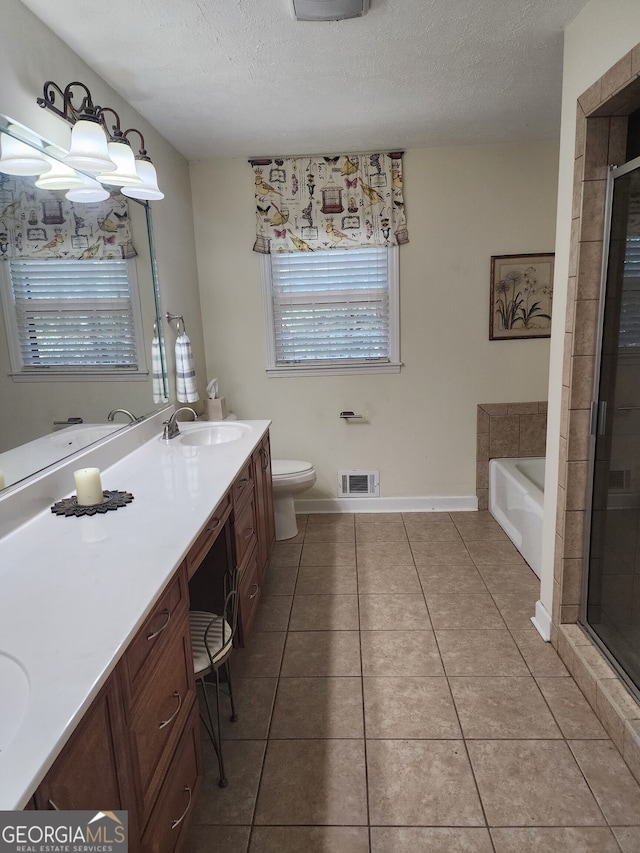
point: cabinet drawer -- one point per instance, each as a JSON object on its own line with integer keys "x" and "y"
{"x": 249, "y": 596}
{"x": 209, "y": 534}
{"x": 160, "y": 716}
{"x": 154, "y": 634}
{"x": 243, "y": 485}
{"x": 171, "y": 816}
{"x": 245, "y": 531}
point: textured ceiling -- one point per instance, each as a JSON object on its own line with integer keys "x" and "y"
{"x": 240, "y": 78}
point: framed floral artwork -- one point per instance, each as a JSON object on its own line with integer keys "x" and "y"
{"x": 521, "y": 296}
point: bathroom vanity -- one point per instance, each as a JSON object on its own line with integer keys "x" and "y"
{"x": 97, "y": 617}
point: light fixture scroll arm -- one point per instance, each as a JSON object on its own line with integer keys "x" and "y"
{"x": 115, "y": 132}
{"x": 68, "y": 112}
{"x": 143, "y": 152}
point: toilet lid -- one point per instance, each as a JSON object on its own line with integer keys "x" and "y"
{"x": 287, "y": 467}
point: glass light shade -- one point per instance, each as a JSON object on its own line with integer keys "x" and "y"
{"x": 17, "y": 158}
{"x": 60, "y": 177}
{"x": 149, "y": 188}
{"x": 90, "y": 191}
{"x": 125, "y": 174}
{"x": 89, "y": 150}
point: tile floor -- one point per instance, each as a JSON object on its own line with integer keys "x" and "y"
{"x": 396, "y": 697}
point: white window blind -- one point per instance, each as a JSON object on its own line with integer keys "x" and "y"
{"x": 72, "y": 316}
{"x": 332, "y": 309}
{"x": 629, "y": 335}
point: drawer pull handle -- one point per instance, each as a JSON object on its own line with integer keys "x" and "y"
{"x": 242, "y": 483}
{"x": 177, "y": 822}
{"x": 265, "y": 459}
{"x": 53, "y": 805}
{"x": 249, "y": 533}
{"x": 154, "y": 634}
{"x": 214, "y": 523}
{"x": 253, "y": 595}
{"x": 164, "y": 723}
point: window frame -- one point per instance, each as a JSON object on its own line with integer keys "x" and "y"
{"x": 20, "y": 372}
{"x": 394, "y": 364}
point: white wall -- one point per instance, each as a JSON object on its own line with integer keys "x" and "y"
{"x": 31, "y": 54}
{"x": 601, "y": 34}
{"x": 463, "y": 205}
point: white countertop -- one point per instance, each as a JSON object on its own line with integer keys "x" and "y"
{"x": 74, "y": 591}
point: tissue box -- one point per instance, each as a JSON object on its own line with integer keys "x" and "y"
{"x": 216, "y": 410}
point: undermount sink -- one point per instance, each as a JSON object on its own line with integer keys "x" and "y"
{"x": 14, "y": 698}
{"x": 208, "y": 434}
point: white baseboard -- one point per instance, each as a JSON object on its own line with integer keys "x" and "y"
{"x": 455, "y": 503}
{"x": 542, "y": 621}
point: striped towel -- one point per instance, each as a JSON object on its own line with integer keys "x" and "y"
{"x": 186, "y": 389}
{"x": 157, "y": 373}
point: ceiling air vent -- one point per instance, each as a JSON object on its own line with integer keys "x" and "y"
{"x": 358, "y": 484}
{"x": 329, "y": 10}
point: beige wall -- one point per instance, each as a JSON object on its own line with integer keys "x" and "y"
{"x": 463, "y": 205}
{"x": 601, "y": 34}
{"x": 31, "y": 54}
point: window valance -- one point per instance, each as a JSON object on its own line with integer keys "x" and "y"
{"x": 42, "y": 224}
{"x": 309, "y": 204}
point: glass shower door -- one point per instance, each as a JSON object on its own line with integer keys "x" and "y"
{"x": 612, "y": 610}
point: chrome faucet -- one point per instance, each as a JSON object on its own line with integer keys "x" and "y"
{"x": 171, "y": 426}
{"x": 114, "y": 412}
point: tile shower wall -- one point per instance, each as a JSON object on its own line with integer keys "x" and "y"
{"x": 507, "y": 430}
{"x": 601, "y": 134}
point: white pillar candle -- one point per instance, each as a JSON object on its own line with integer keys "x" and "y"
{"x": 88, "y": 486}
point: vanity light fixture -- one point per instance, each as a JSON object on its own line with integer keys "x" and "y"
{"x": 90, "y": 190}
{"x": 59, "y": 177}
{"x": 18, "y": 158}
{"x": 95, "y": 148}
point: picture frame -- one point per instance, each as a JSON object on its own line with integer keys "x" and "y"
{"x": 521, "y": 296}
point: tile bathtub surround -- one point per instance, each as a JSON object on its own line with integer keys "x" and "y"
{"x": 391, "y": 706}
{"x": 507, "y": 430}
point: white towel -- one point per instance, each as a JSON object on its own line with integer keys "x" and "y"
{"x": 156, "y": 373}
{"x": 186, "y": 389}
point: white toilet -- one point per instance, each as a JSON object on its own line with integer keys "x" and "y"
{"x": 290, "y": 478}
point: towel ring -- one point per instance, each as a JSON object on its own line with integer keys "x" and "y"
{"x": 180, "y": 319}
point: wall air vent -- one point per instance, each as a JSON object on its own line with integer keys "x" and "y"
{"x": 329, "y": 10}
{"x": 358, "y": 484}
{"x": 619, "y": 479}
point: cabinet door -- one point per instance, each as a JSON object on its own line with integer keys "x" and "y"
{"x": 264, "y": 504}
{"x": 92, "y": 771}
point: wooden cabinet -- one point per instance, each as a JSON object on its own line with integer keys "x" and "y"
{"x": 138, "y": 746}
{"x": 264, "y": 505}
{"x": 163, "y": 695}
{"x": 92, "y": 771}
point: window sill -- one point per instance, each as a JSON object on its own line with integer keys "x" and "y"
{"x": 46, "y": 375}
{"x": 332, "y": 370}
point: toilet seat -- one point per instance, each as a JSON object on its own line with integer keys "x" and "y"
{"x": 285, "y": 469}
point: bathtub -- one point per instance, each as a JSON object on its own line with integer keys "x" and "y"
{"x": 516, "y": 497}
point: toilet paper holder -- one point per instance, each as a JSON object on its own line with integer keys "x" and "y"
{"x": 350, "y": 416}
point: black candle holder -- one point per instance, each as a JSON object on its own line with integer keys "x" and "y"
{"x": 110, "y": 501}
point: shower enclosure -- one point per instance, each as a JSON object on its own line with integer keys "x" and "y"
{"x": 611, "y": 594}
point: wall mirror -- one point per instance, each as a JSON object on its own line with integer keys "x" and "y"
{"x": 36, "y": 405}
